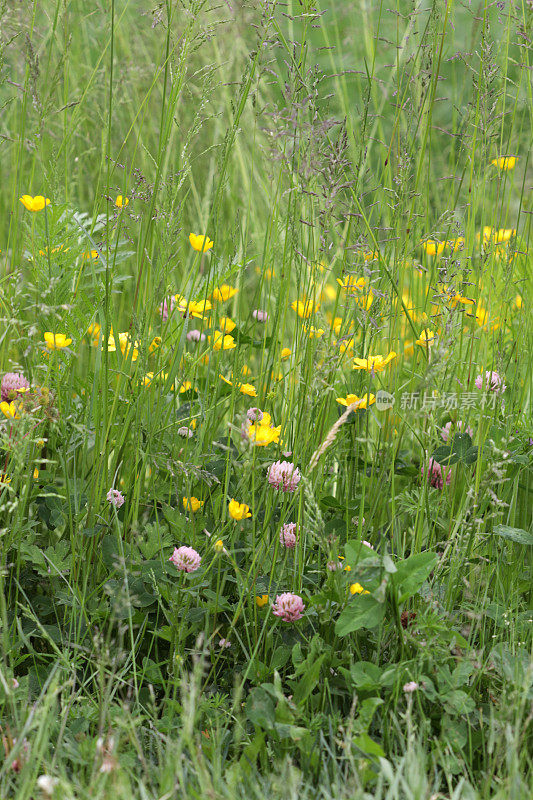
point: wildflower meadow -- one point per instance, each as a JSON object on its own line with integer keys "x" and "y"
{"x": 266, "y": 434}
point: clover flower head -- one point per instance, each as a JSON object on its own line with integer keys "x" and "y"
{"x": 13, "y": 384}
{"x": 186, "y": 559}
{"x": 459, "y": 425}
{"x": 115, "y": 497}
{"x": 284, "y": 475}
{"x": 254, "y": 414}
{"x": 288, "y": 535}
{"x": 224, "y": 644}
{"x": 166, "y": 308}
{"x": 435, "y": 475}
{"x": 491, "y": 381}
{"x": 410, "y": 687}
{"x": 288, "y": 606}
{"x": 186, "y": 432}
{"x": 259, "y": 315}
{"x": 195, "y": 336}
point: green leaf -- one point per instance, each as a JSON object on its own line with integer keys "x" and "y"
{"x": 514, "y": 534}
{"x": 412, "y": 573}
{"x": 280, "y": 656}
{"x": 308, "y": 681}
{"x": 367, "y": 709}
{"x": 363, "y": 611}
{"x": 457, "y": 702}
{"x": 461, "y": 443}
{"x": 260, "y": 708}
{"x": 459, "y": 449}
{"x": 368, "y": 746}
{"x": 365, "y": 675}
{"x": 442, "y": 454}
{"x": 470, "y": 457}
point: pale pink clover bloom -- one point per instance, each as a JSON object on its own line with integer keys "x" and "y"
{"x": 186, "y": 559}
{"x": 288, "y": 606}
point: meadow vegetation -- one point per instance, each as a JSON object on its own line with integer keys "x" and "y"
{"x": 265, "y": 430}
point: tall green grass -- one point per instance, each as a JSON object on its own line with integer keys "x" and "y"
{"x": 311, "y": 144}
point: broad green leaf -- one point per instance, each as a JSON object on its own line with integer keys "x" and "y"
{"x": 365, "y": 675}
{"x": 308, "y": 681}
{"x": 459, "y": 449}
{"x": 368, "y": 746}
{"x": 363, "y": 611}
{"x": 260, "y": 708}
{"x": 412, "y": 573}
{"x": 514, "y": 534}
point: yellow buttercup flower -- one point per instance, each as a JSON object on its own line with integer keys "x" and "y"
{"x": 315, "y": 333}
{"x": 156, "y": 342}
{"x": 483, "y": 320}
{"x": 56, "y": 341}
{"x": 505, "y": 162}
{"x": 329, "y": 292}
{"x": 346, "y": 346}
{"x": 261, "y": 600}
{"x": 364, "y": 300}
{"x": 304, "y": 308}
{"x": 374, "y": 363}
{"x": 356, "y": 588}
{"x": 263, "y": 433}
{"x": 223, "y": 293}
{"x": 94, "y": 331}
{"x": 426, "y": 338}
{"x": 367, "y": 255}
{"x": 351, "y": 283}
{"x": 120, "y": 202}
{"x": 433, "y": 247}
{"x": 10, "y": 410}
{"x": 192, "y": 504}
{"x": 124, "y": 345}
{"x": 226, "y": 324}
{"x": 150, "y": 377}
{"x": 336, "y": 323}
{"x": 248, "y": 389}
{"x": 36, "y": 203}
{"x": 285, "y": 353}
{"x": 456, "y": 244}
{"x": 186, "y": 386}
{"x": 222, "y": 341}
{"x": 238, "y": 511}
{"x": 192, "y": 308}
{"x": 200, "y": 242}
{"x": 244, "y": 388}
{"x": 59, "y": 249}
{"x": 364, "y": 401}
{"x": 90, "y": 254}
{"x": 219, "y": 546}
{"x": 498, "y": 235}
{"x": 459, "y": 298}
{"x": 454, "y": 297}
{"x": 518, "y": 302}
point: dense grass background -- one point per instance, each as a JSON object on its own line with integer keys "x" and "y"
{"x": 311, "y": 143}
